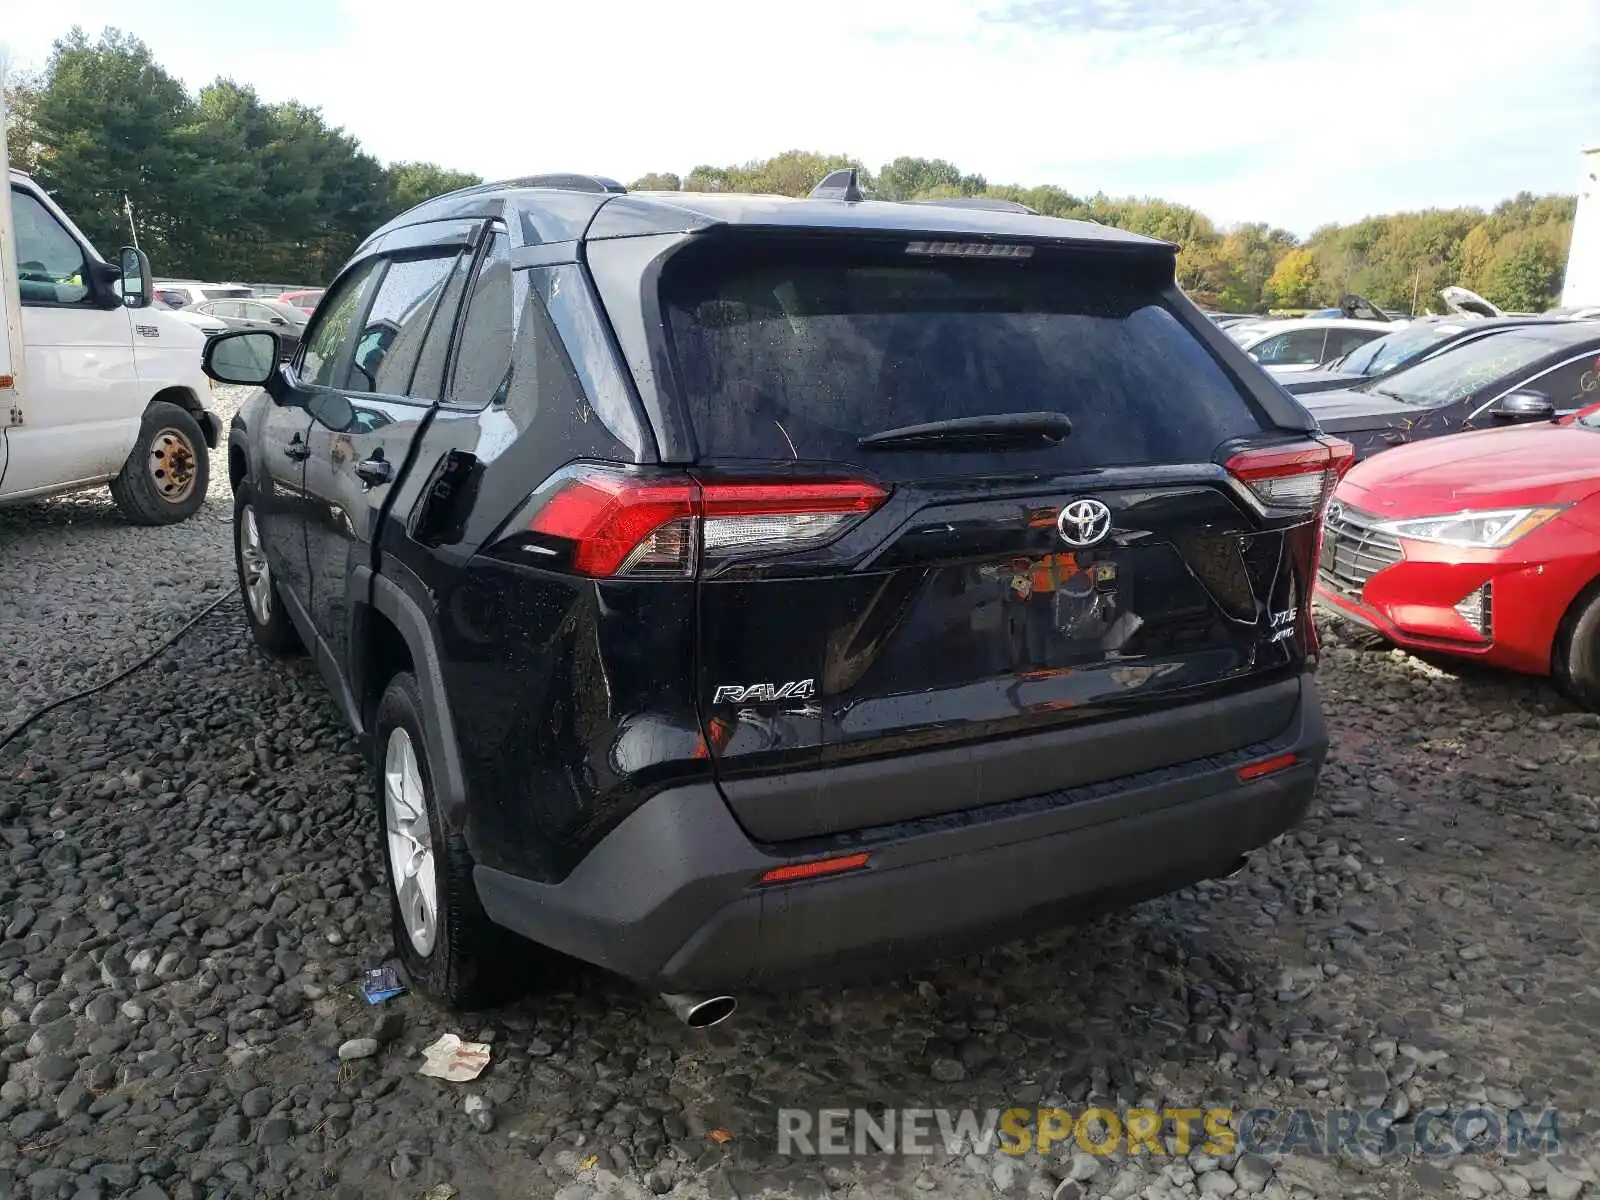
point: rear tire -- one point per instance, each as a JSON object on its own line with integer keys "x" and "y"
{"x": 1576, "y": 661}
{"x": 269, "y": 621}
{"x": 449, "y": 948}
{"x": 168, "y": 471}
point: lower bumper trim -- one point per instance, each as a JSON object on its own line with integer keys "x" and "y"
{"x": 670, "y": 897}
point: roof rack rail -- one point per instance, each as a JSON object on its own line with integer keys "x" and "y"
{"x": 843, "y": 184}
{"x": 992, "y": 203}
{"x": 565, "y": 180}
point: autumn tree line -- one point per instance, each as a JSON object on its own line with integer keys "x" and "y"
{"x": 226, "y": 185}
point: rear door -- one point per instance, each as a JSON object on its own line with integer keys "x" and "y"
{"x": 992, "y": 586}
{"x": 226, "y": 311}
{"x": 364, "y": 426}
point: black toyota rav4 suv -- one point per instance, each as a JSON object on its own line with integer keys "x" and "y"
{"x": 736, "y": 590}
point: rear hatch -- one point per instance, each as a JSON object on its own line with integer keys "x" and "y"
{"x": 969, "y": 495}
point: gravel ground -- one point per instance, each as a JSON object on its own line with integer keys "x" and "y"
{"x": 85, "y": 593}
{"x": 190, "y": 892}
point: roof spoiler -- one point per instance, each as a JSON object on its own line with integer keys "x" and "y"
{"x": 843, "y": 184}
{"x": 990, "y": 203}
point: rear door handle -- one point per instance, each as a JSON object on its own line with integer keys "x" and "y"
{"x": 375, "y": 470}
{"x": 297, "y": 449}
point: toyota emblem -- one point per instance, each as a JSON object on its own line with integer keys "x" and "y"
{"x": 1083, "y": 523}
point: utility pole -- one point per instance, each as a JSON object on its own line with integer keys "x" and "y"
{"x": 1416, "y": 285}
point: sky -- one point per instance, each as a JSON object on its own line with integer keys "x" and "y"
{"x": 1298, "y": 112}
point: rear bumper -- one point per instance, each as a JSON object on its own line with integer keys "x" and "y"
{"x": 670, "y": 899}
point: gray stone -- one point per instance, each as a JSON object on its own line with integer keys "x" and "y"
{"x": 387, "y": 1026}
{"x": 1003, "y": 1174}
{"x": 1252, "y": 1173}
{"x": 54, "y": 1068}
{"x": 479, "y": 1112}
{"x": 1128, "y": 1183}
{"x": 30, "y": 1124}
{"x": 1085, "y": 1167}
{"x": 1474, "y": 1178}
{"x": 257, "y": 1102}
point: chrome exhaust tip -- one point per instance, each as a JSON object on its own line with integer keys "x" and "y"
{"x": 699, "y": 1012}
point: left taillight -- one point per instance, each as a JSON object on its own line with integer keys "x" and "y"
{"x": 1297, "y": 478}
{"x": 608, "y": 523}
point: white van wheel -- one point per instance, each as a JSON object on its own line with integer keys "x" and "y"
{"x": 166, "y": 476}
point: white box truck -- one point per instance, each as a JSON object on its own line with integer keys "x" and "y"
{"x": 96, "y": 387}
{"x": 1582, "y": 286}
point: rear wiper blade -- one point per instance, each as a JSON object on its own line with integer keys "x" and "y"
{"x": 1042, "y": 428}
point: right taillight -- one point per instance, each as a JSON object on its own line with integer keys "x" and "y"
{"x": 608, "y": 523}
{"x": 1299, "y": 477}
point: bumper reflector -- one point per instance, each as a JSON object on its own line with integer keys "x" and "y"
{"x": 1267, "y": 766}
{"x": 814, "y": 868}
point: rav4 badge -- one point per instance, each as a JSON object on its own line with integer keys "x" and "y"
{"x": 765, "y": 693}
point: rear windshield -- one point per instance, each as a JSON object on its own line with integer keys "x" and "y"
{"x": 225, "y": 293}
{"x": 795, "y": 352}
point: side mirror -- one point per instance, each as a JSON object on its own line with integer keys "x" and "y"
{"x": 135, "y": 278}
{"x": 279, "y": 321}
{"x": 243, "y": 356}
{"x": 1526, "y": 405}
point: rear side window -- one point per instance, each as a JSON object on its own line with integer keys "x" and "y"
{"x": 562, "y": 380}
{"x": 1296, "y": 347}
{"x": 786, "y": 351}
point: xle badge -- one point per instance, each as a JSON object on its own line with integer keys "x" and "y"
{"x": 764, "y": 693}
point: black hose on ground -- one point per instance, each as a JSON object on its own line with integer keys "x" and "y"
{"x": 12, "y": 734}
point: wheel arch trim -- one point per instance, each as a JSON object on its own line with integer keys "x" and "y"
{"x": 391, "y": 600}
{"x": 185, "y": 398}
